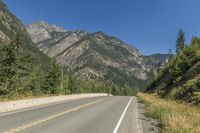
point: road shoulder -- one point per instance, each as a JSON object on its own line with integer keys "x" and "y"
{"x": 148, "y": 125}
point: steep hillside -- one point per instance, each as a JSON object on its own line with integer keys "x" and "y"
{"x": 158, "y": 59}
{"x": 11, "y": 27}
{"x": 23, "y": 67}
{"x": 100, "y": 56}
{"x": 94, "y": 55}
{"x": 181, "y": 78}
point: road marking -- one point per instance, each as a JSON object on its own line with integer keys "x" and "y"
{"x": 39, "y": 106}
{"x": 29, "y": 125}
{"x": 122, "y": 116}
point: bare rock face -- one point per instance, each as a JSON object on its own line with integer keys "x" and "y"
{"x": 41, "y": 31}
{"x": 3, "y": 37}
{"x": 93, "y": 55}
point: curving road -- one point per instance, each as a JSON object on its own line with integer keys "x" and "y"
{"x": 88, "y": 115}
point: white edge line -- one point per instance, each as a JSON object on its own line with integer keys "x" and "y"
{"x": 122, "y": 116}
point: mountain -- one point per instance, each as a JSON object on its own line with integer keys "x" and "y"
{"x": 158, "y": 58}
{"x": 93, "y": 55}
{"x": 10, "y": 27}
{"x": 41, "y": 31}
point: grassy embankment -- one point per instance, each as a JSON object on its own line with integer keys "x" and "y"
{"x": 174, "y": 116}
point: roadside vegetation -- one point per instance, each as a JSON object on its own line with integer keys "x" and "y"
{"x": 173, "y": 116}
{"x": 173, "y": 97}
{"x": 180, "y": 79}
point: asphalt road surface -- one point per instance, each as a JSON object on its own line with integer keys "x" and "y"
{"x": 88, "y": 115}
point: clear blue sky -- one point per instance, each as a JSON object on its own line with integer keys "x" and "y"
{"x": 149, "y": 25}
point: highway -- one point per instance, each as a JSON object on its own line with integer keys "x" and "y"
{"x": 89, "y": 115}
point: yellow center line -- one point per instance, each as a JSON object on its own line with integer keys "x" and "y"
{"x": 29, "y": 125}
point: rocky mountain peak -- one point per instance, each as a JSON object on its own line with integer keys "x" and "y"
{"x": 42, "y": 30}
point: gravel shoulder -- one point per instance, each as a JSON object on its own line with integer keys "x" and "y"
{"x": 148, "y": 125}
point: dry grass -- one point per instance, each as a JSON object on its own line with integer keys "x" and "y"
{"x": 174, "y": 117}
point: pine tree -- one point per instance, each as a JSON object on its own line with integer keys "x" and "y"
{"x": 52, "y": 79}
{"x": 8, "y": 71}
{"x": 36, "y": 80}
{"x": 180, "y": 42}
{"x": 14, "y": 65}
{"x": 72, "y": 84}
{"x": 114, "y": 90}
{"x": 195, "y": 40}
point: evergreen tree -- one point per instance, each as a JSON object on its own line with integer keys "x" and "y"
{"x": 8, "y": 71}
{"x": 114, "y": 90}
{"x": 13, "y": 66}
{"x": 72, "y": 84}
{"x": 52, "y": 79}
{"x": 195, "y": 40}
{"x": 36, "y": 80}
{"x": 180, "y": 42}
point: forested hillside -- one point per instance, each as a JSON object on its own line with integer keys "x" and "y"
{"x": 20, "y": 60}
{"x": 180, "y": 79}
{"x": 11, "y": 28}
{"x": 79, "y": 62}
{"x": 26, "y": 71}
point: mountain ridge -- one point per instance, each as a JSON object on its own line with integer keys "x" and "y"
{"x": 87, "y": 55}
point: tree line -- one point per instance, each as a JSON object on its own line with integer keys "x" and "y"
{"x": 20, "y": 77}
